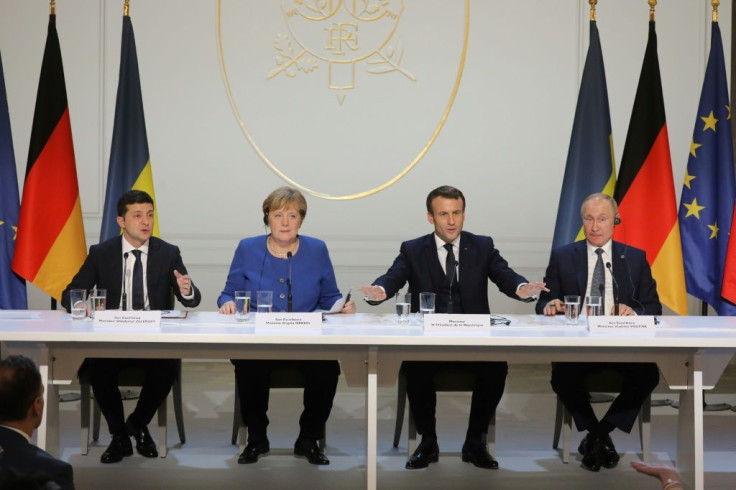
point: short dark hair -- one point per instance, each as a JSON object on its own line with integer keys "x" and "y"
{"x": 20, "y": 385}
{"x": 446, "y": 191}
{"x": 133, "y": 196}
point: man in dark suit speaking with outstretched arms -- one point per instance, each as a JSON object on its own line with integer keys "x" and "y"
{"x": 456, "y": 266}
{"x": 154, "y": 274}
{"x": 620, "y": 274}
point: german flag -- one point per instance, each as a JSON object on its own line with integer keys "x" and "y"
{"x": 50, "y": 247}
{"x": 645, "y": 189}
{"x": 130, "y": 164}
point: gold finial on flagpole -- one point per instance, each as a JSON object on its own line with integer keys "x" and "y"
{"x": 52, "y": 7}
{"x": 592, "y": 9}
{"x": 715, "y": 4}
{"x": 126, "y": 8}
{"x": 652, "y": 4}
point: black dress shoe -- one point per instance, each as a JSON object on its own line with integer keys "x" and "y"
{"x": 119, "y": 448}
{"x": 143, "y": 441}
{"x": 477, "y": 453}
{"x": 427, "y": 452}
{"x": 610, "y": 456}
{"x": 594, "y": 453}
{"x": 253, "y": 450}
{"x": 309, "y": 449}
{"x": 582, "y": 448}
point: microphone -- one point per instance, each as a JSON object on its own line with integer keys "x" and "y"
{"x": 615, "y": 289}
{"x": 125, "y": 276}
{"x": 452, "y": 281}
{"x": 290, "y": 302}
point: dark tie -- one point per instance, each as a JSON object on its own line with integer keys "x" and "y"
{"x": 598, "y": 283}
{"x": 450, "y": 264}
{"x": 138, "y": 302}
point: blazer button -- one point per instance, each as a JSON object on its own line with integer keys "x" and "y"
{"x": 282, "y": 296}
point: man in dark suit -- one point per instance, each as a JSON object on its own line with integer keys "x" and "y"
{"x": 630, "y": 291}
{"x": 456, "y": 266}
{"x": 154, "y": 273}
{"x": 21, "y": 411}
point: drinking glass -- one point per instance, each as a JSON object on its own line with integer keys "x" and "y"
{"x": 242, "y": 306}
{"x": 403, "y": 306}
{"x": 426, "y": 303}
{"x": 572, "y": 309}
{"x": 593, "y": 305}
{"x": 264, "y": 301}
{"x": 98, "y": 300}
{"x": 78, "y": 302}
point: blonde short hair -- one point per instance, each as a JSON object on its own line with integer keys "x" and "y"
{"x": 284, "y": 197}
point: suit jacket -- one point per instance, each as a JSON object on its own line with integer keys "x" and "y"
{"x": 20, "y": 458}
{"x": 103, "y": 268}
{"x": 479, "y": 261}
{"x": 567, "y": 273}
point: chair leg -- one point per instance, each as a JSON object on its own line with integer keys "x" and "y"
{"x": 162, "y": 421}
{"x": 490, "y": 436}
{"x": 566, "y": 434}
{"x": 558, "y": 423}
{"x": 96, "y": 413}
{"x": 237, "y": 419}
{"x": 645, "y": 428}
{"x": 400, "y": 408}
{"x": 178, "y": 407}
{"x": 85, "y": 400}
{"x": 412, "y": 442}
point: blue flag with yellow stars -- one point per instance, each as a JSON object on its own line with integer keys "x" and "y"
{"x": 709, "y": 189}
{"x": 12, "y": 287}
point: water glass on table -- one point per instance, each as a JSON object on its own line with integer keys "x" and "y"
{"x": 426, "y": 303}
{"x": 264, "y": 301}
{"x": 98, "y": 300}
{"x": 403, "y": 306}
{"x": 242, "y": 306}
{"x": 572, "y": 309}
{"x": 78, "y": 302}
{"x": 593, "y": 305}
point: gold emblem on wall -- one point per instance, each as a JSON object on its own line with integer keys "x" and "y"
{"x": 400, "y": 62}
{"x": 337, "y": 35}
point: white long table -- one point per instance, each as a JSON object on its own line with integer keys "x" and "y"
{"x": 691, "y": 352}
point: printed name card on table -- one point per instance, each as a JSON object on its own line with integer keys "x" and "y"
{"x": 621, "y": 325}
{"x": 447, "y": 322}
{"x": 289, "y": 321}
{"x": 150, "y": 319}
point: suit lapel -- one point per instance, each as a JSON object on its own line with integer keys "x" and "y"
{"x": 152, "y": 273}
{"x": 429, "y": 253}
{"x": 619, "y": 271}
{"x": 580, "y": 258}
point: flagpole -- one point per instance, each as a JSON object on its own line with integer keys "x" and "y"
{"x": 652, "y": 5}
{"x": 126, "y": 8}
{"x": 52, "y": 7}
{"x": 715, "y": 4}
{"x": 592, "y": 9}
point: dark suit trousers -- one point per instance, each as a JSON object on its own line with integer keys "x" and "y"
{"x": 420, "y": 388}
{"x": 639, "y": 380}
{"x": 253, "y": 379}
{"x": 103, "y": 376}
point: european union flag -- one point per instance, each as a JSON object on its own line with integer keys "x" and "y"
{"x": 709, "y": 189}
{"x": 12, "y": 287}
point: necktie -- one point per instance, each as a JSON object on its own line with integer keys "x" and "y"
{"x": 138, "y": 302}
{"x": 598, "y": 283}
{"x": 450, "y": 264}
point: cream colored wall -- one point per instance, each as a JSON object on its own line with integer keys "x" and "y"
{"x": 504, "y": 142}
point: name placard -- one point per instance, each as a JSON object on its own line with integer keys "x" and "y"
{"x": 289, "y": 321}
{"x": 621, "y": 325}
{"x": 451, "y": 322}
{"x": 149, "y": 319}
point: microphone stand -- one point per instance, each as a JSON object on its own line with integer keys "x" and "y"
{"x": 615, "y": 289}
{"x": 290, "y": 302}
